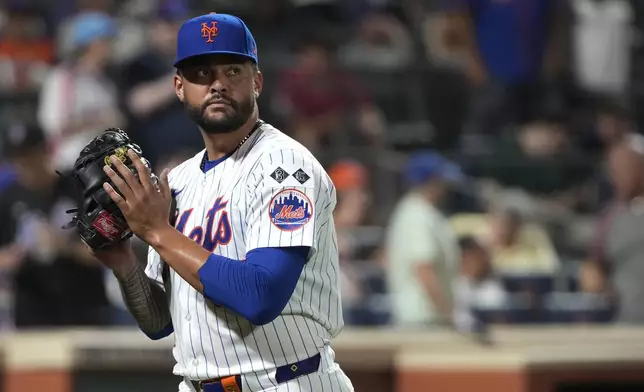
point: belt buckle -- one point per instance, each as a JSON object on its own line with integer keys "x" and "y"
{"x": 229, "y": 384}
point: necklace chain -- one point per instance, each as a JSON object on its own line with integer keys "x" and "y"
{"x": 258, "y": 124}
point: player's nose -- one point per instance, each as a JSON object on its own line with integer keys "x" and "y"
{"x": 217, "y": 86}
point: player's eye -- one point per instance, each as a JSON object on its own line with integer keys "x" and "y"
{"x": 233, "y": 71}
{"x": 202, "y": 72}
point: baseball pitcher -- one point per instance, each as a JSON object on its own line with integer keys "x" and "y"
{"x": 243, "y": 261}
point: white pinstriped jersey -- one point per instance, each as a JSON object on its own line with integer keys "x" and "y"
{"x": 271, "y": 192}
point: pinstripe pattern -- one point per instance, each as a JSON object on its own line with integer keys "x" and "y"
{"x": 329, "y": 378}
{"x": 211, "y": 341}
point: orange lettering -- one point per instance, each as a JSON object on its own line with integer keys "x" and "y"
{"x": 209, "y": 32}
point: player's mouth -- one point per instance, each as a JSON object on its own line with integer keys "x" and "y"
{"x": 219, "y": 104}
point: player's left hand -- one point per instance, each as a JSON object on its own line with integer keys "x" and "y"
{"x": 145, "y": 206}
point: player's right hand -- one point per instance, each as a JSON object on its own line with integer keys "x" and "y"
{"x": 120, "y": 257}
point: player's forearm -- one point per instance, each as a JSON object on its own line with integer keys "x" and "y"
{"x": 181, "y": 253}
{"x": 147, "y": 302}
{"x": 257, "y": 289}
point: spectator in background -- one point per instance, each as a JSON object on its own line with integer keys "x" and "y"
{"x": 514, "y": 49}
{"x": 616, "y": 263}
{"x": 157, "y": 119}
{"x": 319, "y": 102}
{"x": 380, "y": 43}
{"x": 518, "y": 246}
{"x": 540, "y": 159}
{"x": 442, "y": 38}
{"x": 421, "y": 247}
{"x": 78, "y": 100}
{"x": 49, "y": 273}
{"x": 351, "y": 183}
{"x": 26, "y": 52}
{"x": 476, "y": 287}
{"x": 514, "y": 245}
{"x": 602, "y": 42}
{"x": 613, "y": 122}
{"x": 66, "y": 16}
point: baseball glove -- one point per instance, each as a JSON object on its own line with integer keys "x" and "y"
{"x": 98, "y": 220}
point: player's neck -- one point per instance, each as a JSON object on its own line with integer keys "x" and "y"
{"x": 220, "y": 145}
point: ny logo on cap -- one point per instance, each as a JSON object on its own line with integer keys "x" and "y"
{"x": 209, "y": 32}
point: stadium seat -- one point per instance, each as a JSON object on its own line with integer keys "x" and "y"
{"x": 538, "y": 284}
{"x": 517, "y": 309}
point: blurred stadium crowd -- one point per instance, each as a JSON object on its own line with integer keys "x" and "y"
{"x": 486, "y": 155}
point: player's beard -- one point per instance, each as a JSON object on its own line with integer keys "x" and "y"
{"x": 242, "y": 110}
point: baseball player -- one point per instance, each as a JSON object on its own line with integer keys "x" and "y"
{"x": 247, "y": 279}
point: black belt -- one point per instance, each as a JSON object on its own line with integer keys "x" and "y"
{"x": 282, "y": 374}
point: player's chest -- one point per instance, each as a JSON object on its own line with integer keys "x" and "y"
{"x": 211, "y": 215}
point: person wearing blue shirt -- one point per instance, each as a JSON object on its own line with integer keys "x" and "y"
{"x": 515, "y": 51}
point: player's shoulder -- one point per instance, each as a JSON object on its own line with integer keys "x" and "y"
{"x": 286, "y": 162}
{"x": 276, "y": 146}
{"x": 288, "y": 168}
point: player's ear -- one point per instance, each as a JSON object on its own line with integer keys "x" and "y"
{"x": 258, "y": 83}
{"x": 178, "y": 86}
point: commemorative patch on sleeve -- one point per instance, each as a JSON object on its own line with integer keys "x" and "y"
{"x": 289, "y": 175}
{"x": 290, "y": 210}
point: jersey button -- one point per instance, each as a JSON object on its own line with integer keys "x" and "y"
{"x": 188, "y": 317}
{"x": 195, "y": 362}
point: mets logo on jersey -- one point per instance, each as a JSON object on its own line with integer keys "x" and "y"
{"x": 209, "y": 32}
{"x": 290, "y": 210}
{"x": 217, "y": 231}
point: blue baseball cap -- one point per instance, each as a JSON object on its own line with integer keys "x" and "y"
{"x": 91, "y": 26}
{"x": 423, "y": 166}
{"x": 215, "y": 34}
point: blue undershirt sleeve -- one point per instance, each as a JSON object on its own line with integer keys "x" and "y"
{"x": 258, "y": 288}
